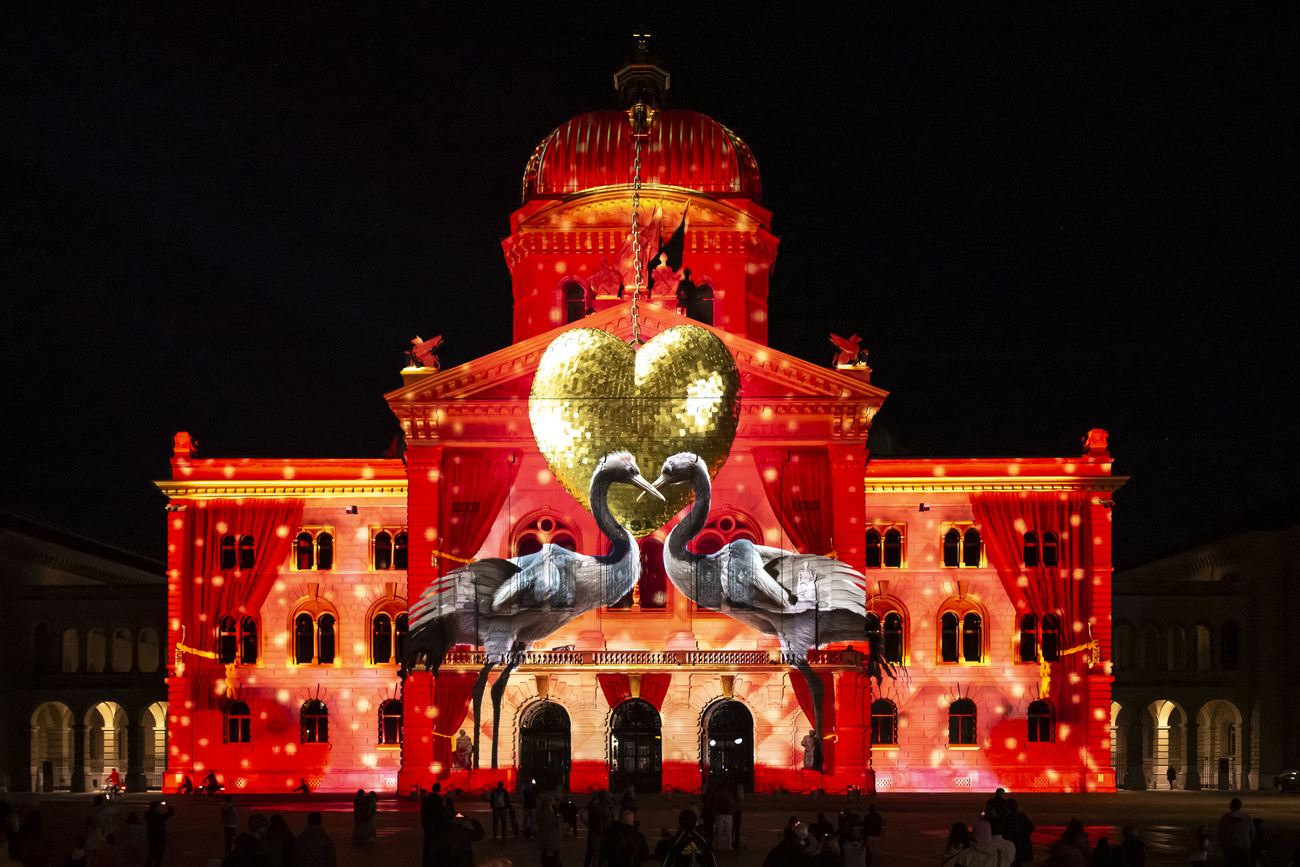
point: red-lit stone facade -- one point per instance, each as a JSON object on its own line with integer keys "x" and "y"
{"x": 961, "y": 702}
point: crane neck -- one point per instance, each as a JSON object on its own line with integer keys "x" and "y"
{"x": 618, "y": 536}
{"x": 690, "y": 526}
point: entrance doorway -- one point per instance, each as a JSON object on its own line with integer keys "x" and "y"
{"x": 728, "y": 748}
{"x": 544, "y": 742}
{"x": 636, "y": 747}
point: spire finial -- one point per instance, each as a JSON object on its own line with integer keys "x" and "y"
{"x": 641, "y": 80}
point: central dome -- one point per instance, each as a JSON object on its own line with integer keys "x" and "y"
{"x": 684, "y": 149}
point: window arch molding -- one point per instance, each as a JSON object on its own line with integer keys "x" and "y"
{"x": 882, "y": 607}
{"x": 962, "y": 608}
{"x": 1035, "y": 631}
{"x": 723, "y": 527}
{"x": 1041, "y": 717}
{"x": 316, "y": 607}
{"x": 392, "y": 606}
{"x": 884, "y": 724}
{"x": 541, "y": 527}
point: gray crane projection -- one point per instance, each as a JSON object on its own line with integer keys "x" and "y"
{"x": 506, "y": 605}
{"x": 802, "y": 599}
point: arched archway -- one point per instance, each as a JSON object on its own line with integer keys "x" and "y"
{"x": 51, "y": 747}
{"x": 153, "y": 722}
{"x": 1219, "y": 745}
{"x": 635, "y": 747}
{"x": 1164, "y": 743}
{"x": 105, "y": 741}
{"x": 545, "y": 744}
{"x": 727, "y": 755}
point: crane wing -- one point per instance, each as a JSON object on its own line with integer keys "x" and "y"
{"x": 835, "y": 585}
{"x": 544, "y": 580}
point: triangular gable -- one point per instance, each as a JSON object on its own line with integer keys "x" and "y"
{"x": 508, "y": 372}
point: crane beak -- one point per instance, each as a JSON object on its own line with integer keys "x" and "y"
{"x": 646, "y": 488}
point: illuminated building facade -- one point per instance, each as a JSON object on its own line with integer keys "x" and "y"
{"x": 290, "y": 579}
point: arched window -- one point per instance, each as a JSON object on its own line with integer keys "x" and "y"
{"x": 229, "y": 556}
{"x": 71, "y": 651}
{"x": 874, "y": 635}
{"x": 325, "y": 628}
{"x": 304, "y": 552}
{"x": 652, "y": 586}
{"x": 530, "y": 539}
{"x": 95, "y": 651}
{"x": 248, "y": 644}
{"x": 1203, "y": 656}
{"x": 399, "y": 635}
{"x": 972, "y": 637}
{"x": 1228, "y": 646}
{"x": 893, "y": 644}
{"x": 1049, "y": 549}
{"x": 304, "y": 639}
{"x": 701, "y": 307}
{"x": 390, "y": 722}
{"x": 970, "y": 547}
{"x": 893, "y": 548}
{"x": 227, "y": 640}
{"x": 874, "y": 559}
{"x": 315, "y": 722}
{"x": 1040, "y": 723}
{"x": 324, "y": 551}
{"x": 239, "y": 722}
{"x": 123, "y": 645}
{"x": 383, "y": 551}
{"x": 952, "y": 548}
{"x": 961, "y": 722}
{"x": 149, "y": 651}
{"x": 399, "y": 550}
{"x": 1028, "y": 638}
{"x": 1051, "y": 637}
{"x": 948, "y": 629}
{"x": 1031, "y": 550}
{"x": 381, "y": 639}
{"x": 884, "y": 722}
{"x": 575, "y": 302}
{"x": 247, "y": 552}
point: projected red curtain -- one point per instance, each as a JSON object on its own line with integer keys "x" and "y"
{"x": 798, "y": 487}
{"x": 828, "y": 713}
{"x": 475, "y": 484}
{"x": 618, "y": 688}
{"x": 213, "y": 592}
{"x": 1004, "y": 518}
{"x": 451, "y": 695}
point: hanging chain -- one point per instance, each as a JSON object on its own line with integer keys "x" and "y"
{"x": 636, "y": 240}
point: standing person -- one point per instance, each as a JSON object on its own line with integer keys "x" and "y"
{"x": 792, "y": 851}
{"x": 735, "y": 817}
{"x": 529, "y": 797}
{"x": 360, "y": 810}
{"x": 135, "y": 846}
{"x": 624, "y": 845}
{"x": 688, "y": 848}
{"x": 983, "y": 852}
{"x": 1258, "y": 845}
{"x": 995, "y": 810}
{"x": 155, "y": 823}
{"x": 1071, "y": 849}
{"x": 448, "y": 843}
{"x": 229, "y": 822}
{"x": 251, "y": 848}
{"x": 499, "y": 800}
{"x": 828, "y": 854}
{"x": 1133, "y": 851}
{"x": 4, "y": 849}
{"x": 1198, "y": 846}
{"x": 1171, "y": 775}
{"x": 600, "y": 816}
{"x": 313, "y": 847}
{"x": 548, "y": 834}
{"x": 724, "y": 809}
{"x": 279, "y": 839}
{"x": 853, "y": 846}
{"x": 959, "y": 840}
{"x": 1020, "y": 831}
{"x": 874, "y": 824}
{"x": 1236, "y": 833}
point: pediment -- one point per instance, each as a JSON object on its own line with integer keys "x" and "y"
{"x": 507, "y": 374}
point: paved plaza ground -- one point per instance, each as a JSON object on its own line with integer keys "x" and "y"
{"x": 917, "y": 823}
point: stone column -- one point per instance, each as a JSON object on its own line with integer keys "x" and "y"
{"x": 1243, "y": 743}
{"x": 136, "y": 781}
{"x": 78, "y": 756}
{"x": 1192, "y": 781}
{"x": 1134, "y": 776}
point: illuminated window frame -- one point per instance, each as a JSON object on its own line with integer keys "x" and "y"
{"x": 882, "y": 607}
{"x": 960, "y": 608}
{"x": 884, "y": 720}
{"x": 238, "y": 723}
{"x": 1041, "y": 550}
{"x": 536, "y": 531}
{"x": 314, "y": 539}
{"x": 313, "y": 722}
{"x": 878, "y": 541}
{"x": 395, "y": 609}
{"x": 964, "y": 530}
{"x": 390, "y": 724}
{"x": 233, "y": 636}
{"x": 1029, "y": 640}
{"x": 1040, "y": 723}
{"x": 963, "y": 725}
{"x": 315, "y": 608}
{"x": 721, "y": 530}
{"x": 236, "y": 552}
{"x": 398, "y": 549}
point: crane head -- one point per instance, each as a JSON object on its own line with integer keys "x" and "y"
{"x": 681, "y": 467}
{"x": 621, "y": 467}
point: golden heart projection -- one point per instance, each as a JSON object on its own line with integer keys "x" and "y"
{"x": 594, "y": 394}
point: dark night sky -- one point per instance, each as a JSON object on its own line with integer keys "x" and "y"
{"x": 1040, "y": 220}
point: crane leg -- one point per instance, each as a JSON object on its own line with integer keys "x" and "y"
{"x": 478, "y": 705}
{"x": 498, "y": 689}
{"x": 817, "y": 693}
